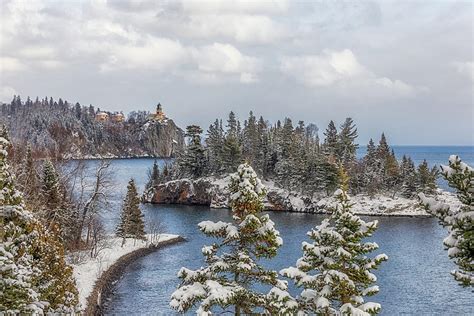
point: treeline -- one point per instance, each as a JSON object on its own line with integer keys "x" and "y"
{"x": 295, "y": 158}
{"x": 62, "y": 129}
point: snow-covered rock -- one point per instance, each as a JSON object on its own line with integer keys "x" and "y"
{"x": 213, "y": 191}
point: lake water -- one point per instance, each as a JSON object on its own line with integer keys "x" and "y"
{"x": 415, "y": 280}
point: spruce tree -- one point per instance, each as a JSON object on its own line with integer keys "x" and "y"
{"x": 371, "y": 168}
{"x": 335, "y": 272}
{"x": 50, "y": 188}
{"x": 56, "y": 210}
{"x": 154, "y": 178}
{"x": 392, "y": 173}
{"x": 34, "y": 278}
{"x": 408, "y": 175}
{"x": 232, "y": 155}
{"x": 331, "y": 140}
{"x": 193, "y": 162}
{"x": 458, "y": 220}
{"x": 347, "y": 147}
{"x": 28, "y": 178}
{"x": 426, "y": 178}
{"x": 232, "y": 264}
{"x": 131, "y": 220}
{"x": 215, "y": 143}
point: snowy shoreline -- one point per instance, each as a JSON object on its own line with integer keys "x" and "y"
{"x": 95, "y": 276}
{"x": 213, "y": 192}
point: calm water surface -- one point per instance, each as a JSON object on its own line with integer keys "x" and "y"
{"x": 415, "y": 280}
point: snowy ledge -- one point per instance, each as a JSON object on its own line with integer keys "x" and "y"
{"x": 212, "y": 191}
{"x": 95, "y": 277}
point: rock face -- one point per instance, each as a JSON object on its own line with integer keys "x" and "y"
{"x": 213, "y": 192}
{"x": 68, "y": 131}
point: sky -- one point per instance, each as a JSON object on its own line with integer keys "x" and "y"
{"x": 403, "y": 67}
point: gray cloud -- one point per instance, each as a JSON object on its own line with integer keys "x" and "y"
{"x": 400, "y": 67}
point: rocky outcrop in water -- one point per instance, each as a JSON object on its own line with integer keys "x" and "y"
{"x": 213, "y": 192}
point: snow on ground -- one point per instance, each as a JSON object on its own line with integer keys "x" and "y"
{"x": 88, "y": 271}
{"x": 384, "y": 205}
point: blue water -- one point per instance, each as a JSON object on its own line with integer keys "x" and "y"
{"x": 415, "y": 280}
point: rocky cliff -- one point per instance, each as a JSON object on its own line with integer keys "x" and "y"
{"x": 73, "y": 131}
{"x": 213, "y": 192}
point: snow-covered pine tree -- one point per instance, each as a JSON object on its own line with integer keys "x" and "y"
{"x": 331, "y": 140}
{"x": 459, "y": 221}
{"x": 28, "y": 178}
{"x": 232, "y": 150}
{"x": 335, "y": 272}
{"x": 154, "y": 177}
{"x": 426, "y": 178}
{"x": 408, "y": 175}
{"x": 392, "y": 173}
{"x": 55, "y": 209}
{"x": 194, "y": 160}
{"x": 131, "y": 220}
{"x": 346, "y": 149}
{"x": 50, "y": 188}
{"x": 232, "y": 265}
{"x": 215, "y": 143}
{"x": 34, "y": 278}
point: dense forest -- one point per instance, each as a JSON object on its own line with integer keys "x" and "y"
{"x": 62, "y": 129}
{"x": 295, "y": 158}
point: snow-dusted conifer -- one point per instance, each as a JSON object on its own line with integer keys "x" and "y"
{"x": 28, "y": 178}
{"x": 154, "y": 177}
{"x": 426, "y": 178}
{"x": 34, "y": 277}
{"x": 460, "y": 221}
{"x": 232, "y": 265}
{"x": 131, "y": 220}
{"x": 335, "y": 272}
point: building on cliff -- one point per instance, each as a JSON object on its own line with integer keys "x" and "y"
{"x": 159, "y": 115}
{"x": 101, "y": 117}
{"x": 118, "y": 117}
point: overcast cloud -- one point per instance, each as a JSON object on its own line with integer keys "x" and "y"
{"x": 403, "y": 67}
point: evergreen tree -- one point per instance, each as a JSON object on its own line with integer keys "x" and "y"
{"x": 34, "y": 278}
{"x": 56, "y": 210}
{"x": 408, "y": 175}
{"x": 131, "y": 220}
{"x": 331, "y": 140}
{"x": 215, "y": 143}
{"x": 347, "y": 147}
{"x": 28, "y": 178}
{"x": 392, "y": 172}
{"x": 232, "y": 265}
{"x": 50, "y": 189}
{"x": 383, "y": 150}
{"x": 154, "y": 177}
{"x": 459, "y": 220}
{"x": 250, "y": 141}
{"x": 372, "y": 168}
{"x": 193, "y": 162}
{"x": 426, "y": 178}
{"x": 262, "y": 164}
{"x": 335, "y": 272}
{"x": 232, "y": 151}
